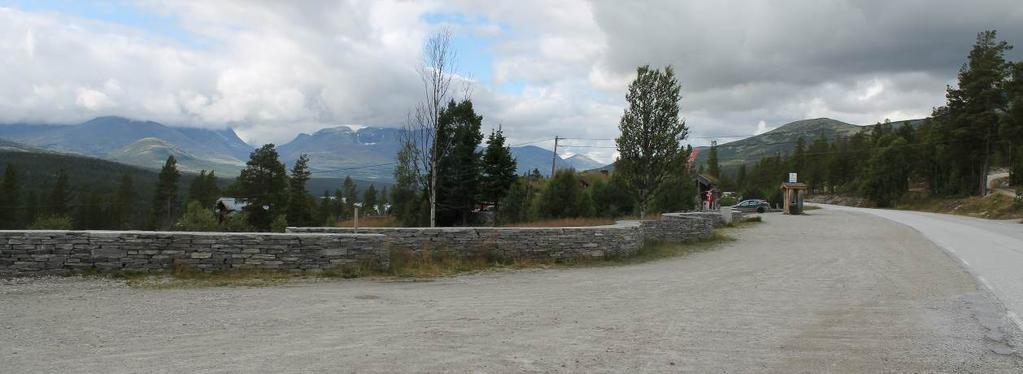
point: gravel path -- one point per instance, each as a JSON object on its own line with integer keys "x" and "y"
{"x": 833, "y": 291}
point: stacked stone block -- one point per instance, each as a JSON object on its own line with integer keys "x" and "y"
{"x": 61, "y": 252}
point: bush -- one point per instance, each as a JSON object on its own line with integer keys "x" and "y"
{"x": 196, "y": 218}
{"x": 728, "y": 201}
{"x": 279, "y": 224}
{"x": 53, "y": 222}
{"x": 238, "y": 222}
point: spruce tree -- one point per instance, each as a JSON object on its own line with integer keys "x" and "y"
{"x": 404, "y": 199}
{"x": 459, "y": 168}
{"x": 713, "y": 167}
{"x": 122, "y": 210}
{"x": 10, "y": 212}
{"x": 57, "y": 205}
{"x": 967, "y": 123}
{"x": 651, "y": 130}
{"x": 300, "y": 206}
{"x": 498, "y": 171}
{"x": 369, "y": 200}
{"x": 165, "y": 197}
{"x": 263, "y": 184}
{"x": 351, "y": 195}
{"x": 204, "y": 189}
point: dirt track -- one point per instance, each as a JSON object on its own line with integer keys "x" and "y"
{"x": 830, "y": 292}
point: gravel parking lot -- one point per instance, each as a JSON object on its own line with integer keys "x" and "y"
{"x": 833, "y": 291}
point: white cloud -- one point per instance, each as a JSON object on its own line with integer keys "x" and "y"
{"x": 273, "y": 69}
{"x": 93, "y": 100}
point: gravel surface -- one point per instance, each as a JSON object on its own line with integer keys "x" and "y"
{"x": 833, "y": 291}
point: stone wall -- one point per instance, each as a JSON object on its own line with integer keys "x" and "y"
{"x": 622, "y": 239}
{"x": 680, "y": 227}
{"x": 560, "y": 243}
{"x": 314, "y": 249}
{"x": 61, "y": 252}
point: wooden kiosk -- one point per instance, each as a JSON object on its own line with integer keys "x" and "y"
{"x": 793, "y": 197}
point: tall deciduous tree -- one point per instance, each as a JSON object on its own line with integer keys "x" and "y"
{"x": 498, "y": 170}
{"x": 165, "y": 198}
{"x": 300, "y": 204}
{"x": 651, "y": 130}
{"x": 423, "y": 126}
{"x": 264, "y": 184}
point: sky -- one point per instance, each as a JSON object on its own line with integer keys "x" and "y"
{"x": 536, "y": 68}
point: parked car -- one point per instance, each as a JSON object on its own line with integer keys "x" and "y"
{"x": 753, "y": 205}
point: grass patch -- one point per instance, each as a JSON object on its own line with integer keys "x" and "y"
{"x": 994, "y": 206}
{"x": 382, "y": 221}
{"x": 421, "y": 265}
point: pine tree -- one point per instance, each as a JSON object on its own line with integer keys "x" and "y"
{"x": 713, "y": 167}
{"x": 300, "y": 206}
{"x": 9, "y": 201}
{"x": 165, "y": 198}
{"x": 369, "y": 200}
{"x": 204, "y": 189}
{"x": 57, "y": 205}
{"x": 325, "y": 212}
{"x": 1011, "y": 131}
{"x": 404, "y": 199}
{"x": 90, "y": 214}
{"x": 967, "y": 123}
{"x": 264, "y": 186}
{"x": 651, "y": 130}
{"x": 740, "y": 178}
{"x": 31, "y": 207}
{"x": 122, "y": 210}
{"x": 351, "y": 195}
{"x": 799, "y": 158}
{"x": 498, "y": 170}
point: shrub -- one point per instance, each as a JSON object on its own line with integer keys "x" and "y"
{"x": 279, "y": 224}
{"x": 196, "y": 218}
{"x": 53, "y": 222}
{"x": 238, "y": 222}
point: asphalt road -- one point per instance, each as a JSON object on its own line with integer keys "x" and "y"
{"x": 992, "y": 250}
{"x": 833, "y": 291}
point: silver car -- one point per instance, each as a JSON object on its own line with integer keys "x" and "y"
{"x": 753, "y": 205}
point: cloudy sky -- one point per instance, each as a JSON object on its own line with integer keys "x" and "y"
{"x": 538, "y": 68}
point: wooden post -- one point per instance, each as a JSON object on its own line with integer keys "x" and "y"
{"x": 355, "y": 223}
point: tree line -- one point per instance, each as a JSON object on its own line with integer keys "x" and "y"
{"x": 949, "y": 154}
{"x": 273, "y": 198}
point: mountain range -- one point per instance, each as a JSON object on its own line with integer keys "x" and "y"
{"x": 365, "y": 153}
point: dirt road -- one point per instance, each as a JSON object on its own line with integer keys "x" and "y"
{"x": 832, "y": 291}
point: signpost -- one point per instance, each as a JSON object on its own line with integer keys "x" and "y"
{"x": 792, "y": 178}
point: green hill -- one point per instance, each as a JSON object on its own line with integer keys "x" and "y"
{"x": 153, "y": 152}
{"x": 783, "y": 140}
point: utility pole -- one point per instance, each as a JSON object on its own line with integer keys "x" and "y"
{"x": 554, "y": 157}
